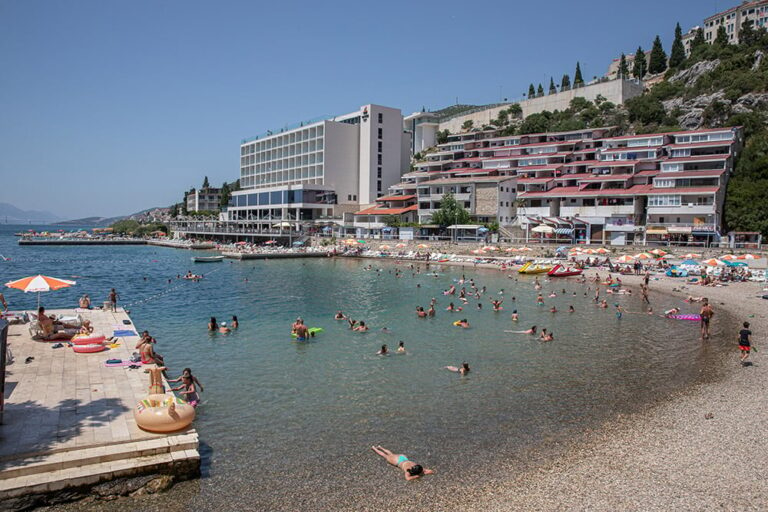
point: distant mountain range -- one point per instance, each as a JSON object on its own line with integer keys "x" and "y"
{"x": 99, "y": 222}
{"x": 9, "y": 214}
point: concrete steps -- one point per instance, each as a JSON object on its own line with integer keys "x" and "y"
{"x": 44, "y": 473}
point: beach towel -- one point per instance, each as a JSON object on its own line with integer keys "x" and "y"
{"x": 122, "y": 333}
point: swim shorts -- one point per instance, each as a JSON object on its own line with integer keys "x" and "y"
{"x": 744, "y": 348}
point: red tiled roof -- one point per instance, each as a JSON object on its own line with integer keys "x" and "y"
{"x": 473, "y": 171}
{"x": 706, "y": 130}
{"x": 526, "y": 168}
{"x": 545, "y": 155}
{"x": 528, "y": 181}
{"x": 643, "y": 136}
{"x": 582, "y": 162}
{"x": 633, "y": 149}
{"x": 647, "y": 173}
{"x": 634, "y": 190}
{"x": 395, "y": 198}
{"x": 471, "y": 179}
{"x": 375, "y": 210}
{"x": 609, "y": 177}
{"x": 573, "y": 176}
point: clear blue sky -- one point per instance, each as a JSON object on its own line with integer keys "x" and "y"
{"x": 110, "y": 107}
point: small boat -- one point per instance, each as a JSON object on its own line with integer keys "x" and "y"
{"x": 207, "y": 259}
{"x": 561, "y": 271}
{"x": 534, "y": 268}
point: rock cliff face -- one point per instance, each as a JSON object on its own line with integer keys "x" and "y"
{"x": 711, "y": 109}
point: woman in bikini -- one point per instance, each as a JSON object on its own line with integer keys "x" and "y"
{"x": 411, "y": 469}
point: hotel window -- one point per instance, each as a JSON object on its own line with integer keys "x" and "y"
{"x": 378, "y": 172}
{"x": 378, "y": 186}
{"x": 380, "y": 146}
{"x": 381, "y": 132}
{"x": 381, "y": 118}
{"x": 379, "y": 158}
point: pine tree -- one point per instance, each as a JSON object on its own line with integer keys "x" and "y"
{"x": 623, "y": 68}
{"x": 722, "y": 36}
{"x": 205, "y": 182}
{"x": 640, "y": 67}
{"x": 531, "y": 91}
{"x": 174, "y": 211}
{"x": 658, "y": 62}
{"x": 677, "y": 56}
{"x": 578, "y": 81}
{"x": 565, "y": 83}
{"x": 552, "y": 88}
{"x": 698, "y": 39}
{"x": 540, "y": 91}
{"x": 225, "y": 195}
{"x": 748, "y": 35}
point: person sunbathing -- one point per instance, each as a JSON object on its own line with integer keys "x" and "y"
{"x": 50, "y": 328}
{"x": 410, "y": 468}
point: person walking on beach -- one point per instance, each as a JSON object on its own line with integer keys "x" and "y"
{"x": 644, "y": 291}
{"x": 706, "y": 315}
{"x": 113, "y": 296}
{"x": 745, "y": 342}
{"x": 410, "y": 468}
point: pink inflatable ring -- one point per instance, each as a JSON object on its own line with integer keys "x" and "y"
{"x": 88, "y": 349}
{"x": 80, "y": 339}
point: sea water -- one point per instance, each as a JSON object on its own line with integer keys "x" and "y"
{"x": 288, "y": 425}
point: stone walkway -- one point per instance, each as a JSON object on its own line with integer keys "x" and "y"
{"x": 63, "y": 400}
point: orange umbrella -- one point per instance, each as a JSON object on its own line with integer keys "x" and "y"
{"x": 588, "y": 251}
{"x": 748, "y": 257}
{"x": 601, "y": 251}
{"x": 714, "y": 262}
{"x": 422, "y": 246}
{"x": 39, "y": 283}
{"x": 728, "y": 257}
{"x": 626, "y": 259}
{"x": 478, "y": 251}
{"x": 490, "y": 248}
{"x": 400, "y": 246}
{"x": 526, "y": 249}
{"x": 511, "y": 249}
{"x": 692, "y": 256}
{"x": 658, "y": 252}
{"x": 384, "y": 246}
{"x": 643, "y": 256}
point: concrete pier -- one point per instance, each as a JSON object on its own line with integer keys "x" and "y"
{"x": 68, "y": 423}
{"x": 86, "y": 241}
{"x": 273, "y": 256}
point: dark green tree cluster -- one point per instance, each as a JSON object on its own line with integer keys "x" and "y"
{"x": 135, "y": 228}
{"x": 677, "y": 55}
{"x": 450, "y": 212}
{"x": 623, "y": 68}
{"x": 640, "y": 67}
{"x": 565, "y": 83}
{"x": 581, "y": 113}
{"x": 658, "y": 63}
{"x": 747, "y": 195}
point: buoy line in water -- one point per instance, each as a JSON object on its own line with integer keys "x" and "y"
{"x": 163, "y": 293}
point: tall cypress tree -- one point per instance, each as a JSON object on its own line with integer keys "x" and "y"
{"x": 698, "y": 39}
{"x": 552, "y": 88}
{"x": 540, "y": 91}
{"x": 531, "y": 91}
{"x": 623, "y": 68}
{"x": 205, "y": 182}
{"x": 565, "y": 83}
{"x": 722, "y": 36}
{"x": 640, "y": 67}
{"x": 658, "y": 62}
{"x": 578, "y": 81}
{"x": 677, "y": 56}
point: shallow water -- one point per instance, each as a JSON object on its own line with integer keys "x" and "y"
{"x": 289, "y": 425}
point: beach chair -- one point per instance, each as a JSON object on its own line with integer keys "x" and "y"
{"x": 35, "y": 330}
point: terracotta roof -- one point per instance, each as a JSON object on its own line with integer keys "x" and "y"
{"x": 609, "y": 177}
{"x": 573, "y": 176}
{"x": 632, "y": 149}
{"x": 552, "y": 167}
{"x": 470, "y": 179}
{"x": 375, "y": 210}
{"x": 395, "y": 198}
{"x": 647, "y": 173}
{"x": 526, "y": 181}
{"x": 714, "y": 143}
{"x": 634, "y": 190}
{"x": 615, "y": 163}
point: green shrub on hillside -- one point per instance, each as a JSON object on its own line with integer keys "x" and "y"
{"x": 747, "y": 195}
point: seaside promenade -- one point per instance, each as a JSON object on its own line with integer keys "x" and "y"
{"x": 68, "y": 422}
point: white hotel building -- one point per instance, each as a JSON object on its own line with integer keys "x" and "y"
{"x": 315, "y": 172}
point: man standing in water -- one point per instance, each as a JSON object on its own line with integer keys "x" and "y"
{"x": 706, "y": 315}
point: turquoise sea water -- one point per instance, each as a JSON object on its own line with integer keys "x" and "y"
{"x": 288, "y": 426}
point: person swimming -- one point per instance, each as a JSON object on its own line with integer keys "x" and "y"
{"x": 212, "y": 324}
{"x": 515, "y": 317}
{"x": 223, "y": 328}
{"x": 461, "y": 370}
{"x": 401, "y": 347}
{"x": 546, "y": 336}
{"x": 361, "y": 327}
{"x": 339, "y": 315}
{"x": 463, "y": 323}
{"x": 383, "y": 351}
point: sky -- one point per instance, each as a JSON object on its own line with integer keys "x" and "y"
{"x": 109, "y": 107}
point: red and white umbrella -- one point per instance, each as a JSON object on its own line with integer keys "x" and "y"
{"x": 626, "y": 259}
{"x": 525, "y": 249}
{"x": 39, "y": 283}
{"x": 728, "y": 257}
{"x": 692, "y": 256}
{"x": 644, "y": 256}
{"x": 601, "y": 251}
{"x": 713, "y": 262}
{"x": 748, "y": 257}
{"x": 659, "y": 252}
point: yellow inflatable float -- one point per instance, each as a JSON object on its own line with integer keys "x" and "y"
{"x": 163, "y": 413}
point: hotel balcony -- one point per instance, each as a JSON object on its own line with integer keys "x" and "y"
{"x": 684, "y": 209}
{"x": 596, "y": 211}
{"x": 533, "y": 211}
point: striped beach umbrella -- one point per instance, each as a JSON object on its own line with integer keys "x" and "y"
{"x": 659, "y": 252}
{"x": 384, "y": 246}
{"x": 601, "y": 251}
{"x": 692, "y": 256}
{"x": 626, "y": 259}
{"x": 525, "y": 249}
{"x": 748, "y": 257}
{"x": 643, "y": 256}
{"x": 728, "y": 257}
{"x": 39, "y": 283}
{"x": 400, "y": 245}
{"x": 714, "y": 262}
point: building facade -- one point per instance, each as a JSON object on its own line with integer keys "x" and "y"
{"x": 320, "y": 170}
{"x": 586, "y": 185}
{"x": 734, "y": 18}
{"x": 204, "y": 199}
